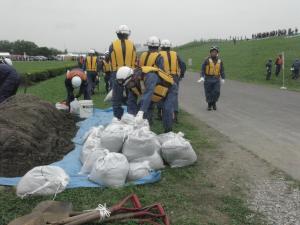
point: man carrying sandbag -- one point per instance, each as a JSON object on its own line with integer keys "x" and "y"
{"x": 75, "y": 79}
{"x": 150, "y": 85}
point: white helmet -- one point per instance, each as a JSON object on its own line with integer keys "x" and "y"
{"x": 166, "y": 44}
{"x": 124, "y": 74}
{"x": 6, "y": 61}
{"x": 91, "y": 51}
{"x": 153, "y": 41}
{"x": 123, "y": 29}
{"x": 76, "y": 82}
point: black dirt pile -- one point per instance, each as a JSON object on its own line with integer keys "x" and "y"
{"x": 32, "y": 133}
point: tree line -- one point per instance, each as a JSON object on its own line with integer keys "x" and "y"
{"x": 20, "y": 47}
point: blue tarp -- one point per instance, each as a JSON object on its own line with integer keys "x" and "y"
{"x": 71, "y": 163}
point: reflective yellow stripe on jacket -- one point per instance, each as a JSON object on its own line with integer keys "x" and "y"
{"x": 106, "y": 67}
{"x": 91, "y": 63}
{"x": 149, "y": 59}
{"x": 213, "y": 69}
{"x": 122, "y": 57}
{"x": 171, "y": 65}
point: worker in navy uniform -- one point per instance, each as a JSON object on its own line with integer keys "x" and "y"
{"x": 148, "y": 85}
{"x": 269, "y": 69}
{"x": 9, "y": 79}
{"x": 175, "y": 66}
{"x": 91, "y": 67}
{"x": 212, "y": 74}
{"x": 295, "y": 69}
{"x": 106, "y": 69}
{"x": 153, "y": 58}
{"x": 122, "y": 52}
{"x": 76, "y": 79}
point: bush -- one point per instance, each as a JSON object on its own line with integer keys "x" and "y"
{"x": 43, "y": 75}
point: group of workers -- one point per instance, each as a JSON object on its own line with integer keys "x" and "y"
{"x": 146, "y": 82}
{"x": 295, "y": 68}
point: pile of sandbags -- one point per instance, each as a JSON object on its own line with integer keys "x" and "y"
{"x": 43, "y": 180}
{"x": 123, "y": 151}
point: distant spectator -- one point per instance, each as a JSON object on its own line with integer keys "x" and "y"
{"x": 278, "y": 64}
{"x": 295, "y": 68}
{"x": 269, "y": 69}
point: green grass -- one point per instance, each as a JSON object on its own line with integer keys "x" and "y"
{"x": 188, "y": 195}
{"x": 246, "y": 60}
{"x": 40, "y": 66}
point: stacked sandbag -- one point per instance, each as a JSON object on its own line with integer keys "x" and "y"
{"x": 114, "y": 135}
{"x": 92, "y": 143}
{"x": 138, "y": 170}
{"x": 129, "y": 119}
{"x": 43, "y": 180}
{"x": 143, "y": 145}
{"x": 176, "y": 150}
{"x": 91, "y": 159}
{"x": 110, "y": 170}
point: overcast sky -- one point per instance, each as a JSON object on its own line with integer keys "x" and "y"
{"x": 79, "y": 25}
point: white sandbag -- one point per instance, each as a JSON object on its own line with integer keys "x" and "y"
{"x": 75, "y": 107}
{"x": 178, "y": 152}
{"x": 110, "y": 170}
{"x": 129, "y": 119}
{"x": 168, "y": 136}
{"x": 138, "y": 170}
{"x": 155, "y": 161}
{"x": 114, "y": 136}
{"x": 91, "y": 159}
{"x": 141, "y": 143}
{"x": 43, "y": 180}
{"x": 94, "y": 132}
{"x": 92, "y": 142}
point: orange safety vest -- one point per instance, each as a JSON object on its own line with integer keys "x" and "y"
{"x": 171, "y": 64}
{"x": 122, "y": 57}
{"x": 91, "y": 63}
{"x": 106, "y": 67}
{"x": 149, "y": 59}
{"x": 213, "y": 69}
{"x": 76, "y": 72}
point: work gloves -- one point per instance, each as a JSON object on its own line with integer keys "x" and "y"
{"x": 139, "y": 118}
{"x": 222, "y": 81}
{"x": 200, "y": 80}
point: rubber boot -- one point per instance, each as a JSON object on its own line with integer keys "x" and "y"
{"x": 214, "y": 106}
{"x": 209, "y": 107}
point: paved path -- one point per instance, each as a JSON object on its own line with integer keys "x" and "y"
{"x": 262, "y": 119}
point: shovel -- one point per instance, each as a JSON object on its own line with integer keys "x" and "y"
{"x": 44, "y": 213}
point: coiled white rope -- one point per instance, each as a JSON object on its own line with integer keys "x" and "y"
{"x": 103, "y": 211}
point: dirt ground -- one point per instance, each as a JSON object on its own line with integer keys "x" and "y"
{"x": 32, "y": 133}
{"x": 234, "y": 170}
